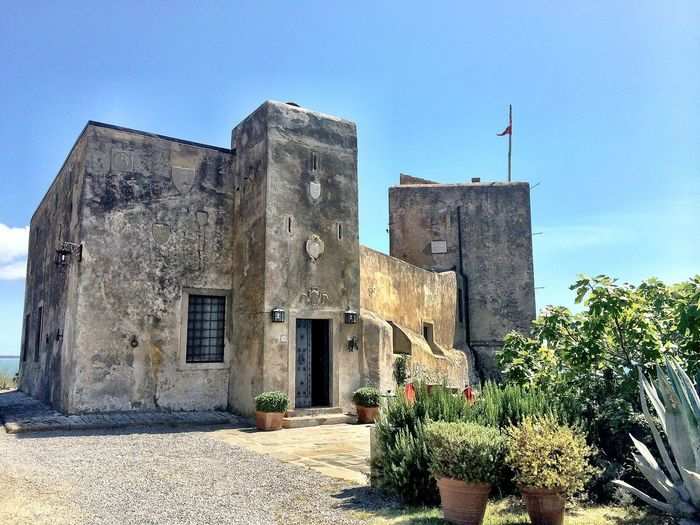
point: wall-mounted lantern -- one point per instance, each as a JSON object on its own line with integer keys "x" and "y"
{"x": 277, "y": 315}
{"x": 351, "y": 317}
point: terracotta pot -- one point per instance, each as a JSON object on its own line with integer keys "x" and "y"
{"x": 463, "y": 503}
{"x": 268, "y": 420}
{"x": 410, "y": 392}
{"x": 366, "y": 414}
{"x": 545, "y": 506}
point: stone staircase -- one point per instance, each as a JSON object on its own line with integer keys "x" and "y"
{"x": 313, "y": 417}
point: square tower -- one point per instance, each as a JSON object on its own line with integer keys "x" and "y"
{"x": 296, "y": 249}
{"x": 483, "y": 232}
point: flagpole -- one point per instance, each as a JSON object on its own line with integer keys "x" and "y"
{"x": 510, "y": 136}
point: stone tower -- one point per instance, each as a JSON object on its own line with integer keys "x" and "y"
{"x": 296, "y": 248}
{"x": 483, "y": 232}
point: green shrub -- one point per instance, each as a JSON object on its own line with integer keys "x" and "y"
{"x": 367, "y": 396}
{"x": 401, "y": 369}
{"x": 504, "y": 405}
{"x": 465, "y": 451}
{"x": 404, "y": 467}
{"x": 546, "y": 454}
{"x": 271, "y": 402}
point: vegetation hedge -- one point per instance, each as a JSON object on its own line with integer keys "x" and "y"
{"x": 589, "y": 358}
{"x": 272, "y": 402}
{"x": 367, "y": 396}
{"x": 465, "y": 451}
{"x": 404, "y": 459}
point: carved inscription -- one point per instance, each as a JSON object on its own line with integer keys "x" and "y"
{"x": 315, "y": 296}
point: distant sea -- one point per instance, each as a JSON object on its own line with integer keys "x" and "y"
{"x": 9, "y": 364}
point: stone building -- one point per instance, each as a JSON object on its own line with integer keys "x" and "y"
{"x": 168, "y": 274}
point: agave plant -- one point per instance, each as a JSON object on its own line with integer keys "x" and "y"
{"x": 677, "y": 405}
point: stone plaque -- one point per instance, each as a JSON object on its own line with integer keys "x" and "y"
{"x": 438, "y": 247}
{"x": 315, "y": 247}
{"x": 121, "y": 160}
{"x": 183, "y": 178}
{"x": 161, "y": 233}
{"x": 315, "y": 189}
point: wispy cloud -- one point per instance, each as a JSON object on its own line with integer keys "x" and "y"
{"x": 13, "y": 252}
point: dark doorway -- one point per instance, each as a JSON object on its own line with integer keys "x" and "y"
{"x": 312, "y": 363}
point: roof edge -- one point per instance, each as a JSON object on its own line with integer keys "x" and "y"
{"x": 157, "y": 136}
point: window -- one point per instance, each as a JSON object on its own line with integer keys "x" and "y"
{"x": 25, "y": 341}
{"x": 37, "y": 338}
{"x": 428, "y": 332}
{"x": 206, "y": 321}
{"x": 460, "y": 309}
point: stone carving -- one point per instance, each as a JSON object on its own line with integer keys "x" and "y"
{"x": 121, "y": 160}
{"x": 161, "y": 233}
{"x": 315, "y": 296}
{"x": 315, "y": 247}
{"x": 183, "y": 178}
{"x": 314, "y": 189}
{"x": 202, "y": 218}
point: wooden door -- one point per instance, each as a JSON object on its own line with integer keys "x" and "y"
{"x": 303, "y": 364}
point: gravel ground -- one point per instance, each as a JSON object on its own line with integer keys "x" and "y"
{"x": 151, "y": 476}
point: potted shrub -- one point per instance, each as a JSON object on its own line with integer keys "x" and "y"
{"x": 366, "y": 401}
{"x": 270, "y": 408}
{"x": 465, "y": 459}
{"x": 550, "y": 462}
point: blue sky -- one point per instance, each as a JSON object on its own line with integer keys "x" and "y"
{"x": 605, "y": 97}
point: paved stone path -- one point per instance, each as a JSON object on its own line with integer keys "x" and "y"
{"x": 22, "y": 413}
{"x": 338, "y": 451}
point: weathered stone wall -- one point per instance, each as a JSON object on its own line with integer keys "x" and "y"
{"x": 312, "y": 198}
{"x": 156, "y": 221}
{"x": 300, "y": 168}
{"x": 250, "y": 141}
{"x": 51, "y": 286}
{"x": 405, "y": 294}
{"x": 496, "y": 251}
{"x": 397, "y": 298}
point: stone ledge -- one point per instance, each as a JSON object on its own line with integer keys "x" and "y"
{"x": 22, "y": 413}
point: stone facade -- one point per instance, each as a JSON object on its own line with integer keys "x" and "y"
{"x": 147, "y": 249}
{"x": 482, "y": 231}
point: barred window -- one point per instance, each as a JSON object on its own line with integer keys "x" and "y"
{"x": 206, "y": 321}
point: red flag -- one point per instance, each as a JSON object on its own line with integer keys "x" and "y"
{"x": 507, "y": 131}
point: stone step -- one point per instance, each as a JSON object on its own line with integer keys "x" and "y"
{"x": 314, "y": 411}
{"x": 314, "y": 421}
